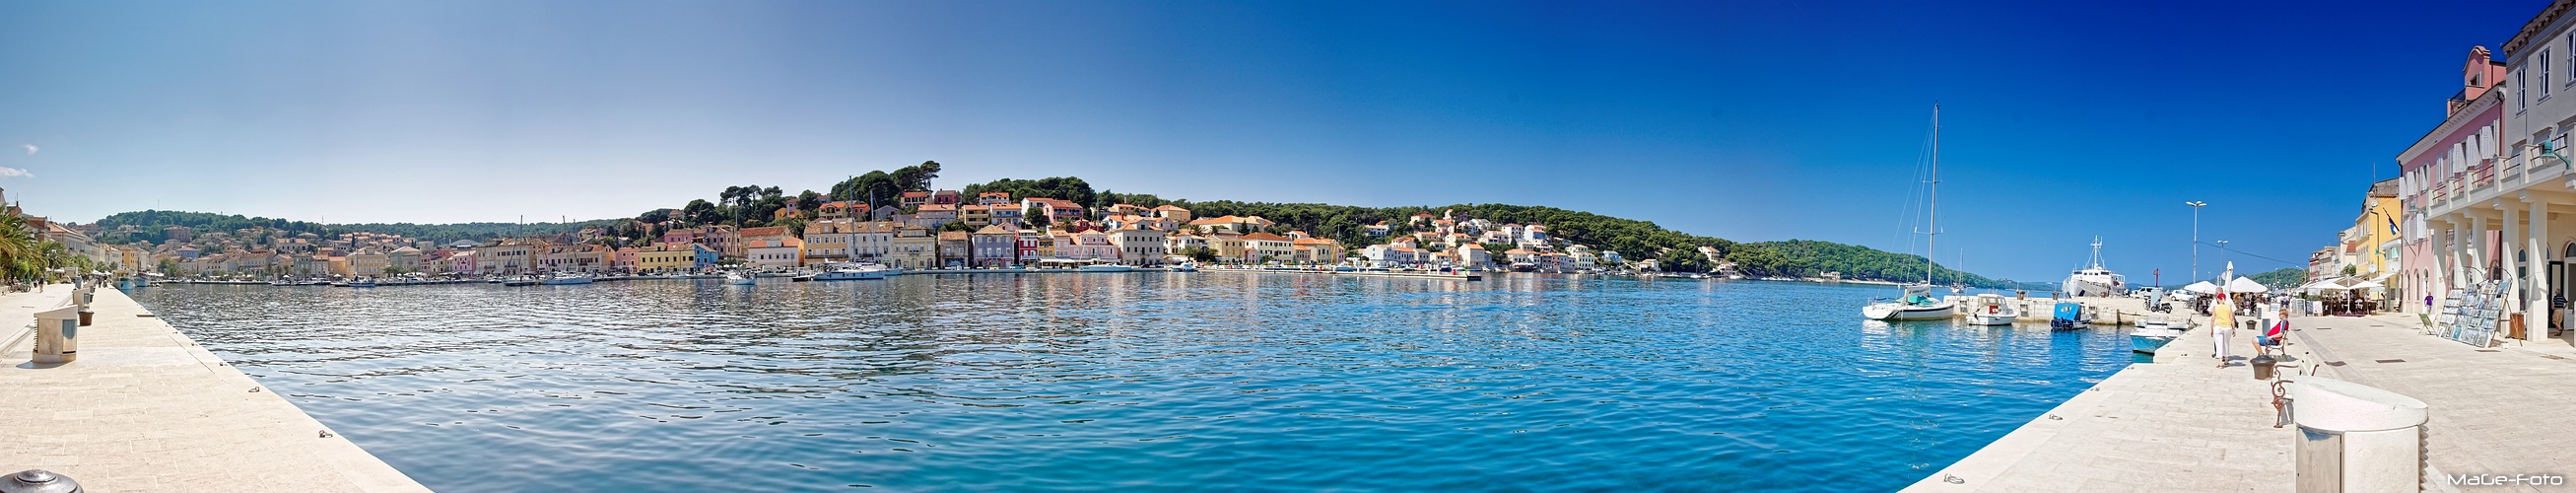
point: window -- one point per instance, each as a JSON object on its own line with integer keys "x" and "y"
{"x": 2544, "y": 74}
{"x": 2521, "y": 99}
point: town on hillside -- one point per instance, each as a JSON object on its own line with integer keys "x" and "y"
{"x": 919, "y": 230}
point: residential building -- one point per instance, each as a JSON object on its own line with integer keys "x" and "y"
{"x": 368, "y": 262}
{"x": 995, "y": 198}
{"x": 956, "y": 249}
{"x": 1262, "y": 248}
{"x": 912, "y": 248}
{"x": 1173, "y": 213}
{"x": 993, "y": 247}
{"x": 934, "y": 215}
{"x": 829, "y": 240}
{"x": 975, "y": 215}
{"x": 872, "y": 241}
{"x": 913, "y": 199}
{"x": 1138, "y": 246}
{"x": 1228, "y": 245}
{"x": 2468, "y": 140}
{"x": 774, "y": 251}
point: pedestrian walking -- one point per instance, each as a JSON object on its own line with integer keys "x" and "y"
{"x": 2222, "y": 326}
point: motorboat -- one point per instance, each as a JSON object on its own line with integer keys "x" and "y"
{"x": 1185, "y": 267}
{"x": 567, "y": 279}
{"x": 2068, "y": 315}
{"x": 2093, "y": 280}
{"x": 2153, "y": 334}
{"x": 738, "y": 279}
{"x": 363, "y": 282}
{"x": 520, "y": 281}
{"x": 1524, "y": 267}
{"x": 1990, "y": 309}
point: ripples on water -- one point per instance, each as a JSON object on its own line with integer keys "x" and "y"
{"x": 1151, "y": 381}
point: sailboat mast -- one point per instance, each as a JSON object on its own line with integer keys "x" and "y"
{"x": 1932, "y": 212}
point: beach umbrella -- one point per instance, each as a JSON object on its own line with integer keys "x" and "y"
{"x": 2366, "y": 285}
{"x": 2203, "y": 287}
{"x": 2321, "y": 284}
{"x": 2245, "y": 285}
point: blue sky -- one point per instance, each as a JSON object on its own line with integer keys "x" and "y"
{"x": 1746, "y": 120}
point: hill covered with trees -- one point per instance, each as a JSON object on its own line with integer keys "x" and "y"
{"x": 754, "y": 205}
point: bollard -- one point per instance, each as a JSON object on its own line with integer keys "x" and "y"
{"x": 2355, "y": 438}
{"x": 58, "y": 335}
{"x": 2262, "y": 364}
{"x": 38, "y": 481}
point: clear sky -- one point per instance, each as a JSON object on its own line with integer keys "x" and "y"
{"x": 1755, "y": 120}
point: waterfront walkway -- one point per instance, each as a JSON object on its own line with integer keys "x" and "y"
{"x": 2179, "y": 425}
{"x": 145, "y": 409}
{"x": 2182, "y": 424}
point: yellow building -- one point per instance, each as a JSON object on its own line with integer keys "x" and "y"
{"x": 914, "y": 248}
{"x": 2376, "y": 231}
{"x": 666, "y": 257}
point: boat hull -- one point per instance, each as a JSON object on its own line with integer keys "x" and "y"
{"x": 2077, "y": 286}
{"x": 1992, "y": 319}
{"x": 2147, "y": 343}
{"x": 849, "y": 276}
{"x": 1904, "y": 312}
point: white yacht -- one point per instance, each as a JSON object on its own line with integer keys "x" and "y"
{"x": 738, "y": 279}
{"x": 2093, "y": 280}
{"x": 1105, "y": 267}
{"x": 1917, "y": 302}
{"x": 566, "y": 279}
{"x": 858, "y": 272}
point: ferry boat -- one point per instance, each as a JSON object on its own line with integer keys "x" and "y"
{"x": 1990, "y": 309}
{"x": 2093, "y": 280}
{"x": 567, "y": 280}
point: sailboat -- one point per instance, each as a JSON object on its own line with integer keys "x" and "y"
{"x": 1917, "y": 302}
{"x": 2093, "y": 280}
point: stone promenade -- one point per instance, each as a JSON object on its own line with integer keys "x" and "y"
{"x": 145, "y": 409}
{"x": 2184, "y": 424}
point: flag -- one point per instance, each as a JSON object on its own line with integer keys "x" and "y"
{"x": 2392, "y": 225}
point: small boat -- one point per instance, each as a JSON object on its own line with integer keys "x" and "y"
{"x": 2069, "y": 315}
{"x": 567, "y": 279}
{"x": 738, "y": 279}
{"x": 1186, "y": 267}
{"x": 1524, "y": 267}
{"x": 519, "y": 281}
{"x": 2152, "y": 335}
{"x": 1105, "y": 268}
{"x": 363, "y": 282}
{"x": 1990, "y": 309}
{"x": 1345, "y": 268}
{"x": 281, "y": 282}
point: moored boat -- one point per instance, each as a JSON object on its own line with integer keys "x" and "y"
{"x": 1917, "y": 302}
{"x": 738, "y": 279}
{"x": 2093, "y": 280}
{"x": 2152, "y": 335}
{"x": 858, "y": 272}
{"x": 567, "y": 279}
{"x": 1990, "y": 309}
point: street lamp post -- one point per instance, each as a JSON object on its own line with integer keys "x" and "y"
{"x": 2195, "y": 237}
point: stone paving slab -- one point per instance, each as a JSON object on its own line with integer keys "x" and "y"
{"x": 146, "y": 409}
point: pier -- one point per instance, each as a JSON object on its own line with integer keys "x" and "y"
{"x": 2183, "y": 424}
{"x": 144, "y": 408}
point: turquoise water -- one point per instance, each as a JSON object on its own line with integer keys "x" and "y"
{"x": 1142, "y": 381}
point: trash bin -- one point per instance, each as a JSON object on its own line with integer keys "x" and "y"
{"x": 2355, "y": 438}
{"x": 58, "y": 335}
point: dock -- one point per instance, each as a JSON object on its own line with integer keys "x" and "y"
{"x": 1462, "y": 276}
{"x": 144, "y": 408}
{"x": 2184, "y": 424}
{"x": 2104, "y": 311}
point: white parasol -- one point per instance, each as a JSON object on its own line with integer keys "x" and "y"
{"x": 2203, "y": 287}
{"x": 2245, "y": 285}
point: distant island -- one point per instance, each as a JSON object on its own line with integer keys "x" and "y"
{"x": 900, "y": 197}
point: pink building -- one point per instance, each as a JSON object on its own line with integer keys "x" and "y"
{"x": 2465, "y": 145}
{"x": 462, "y": 262}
